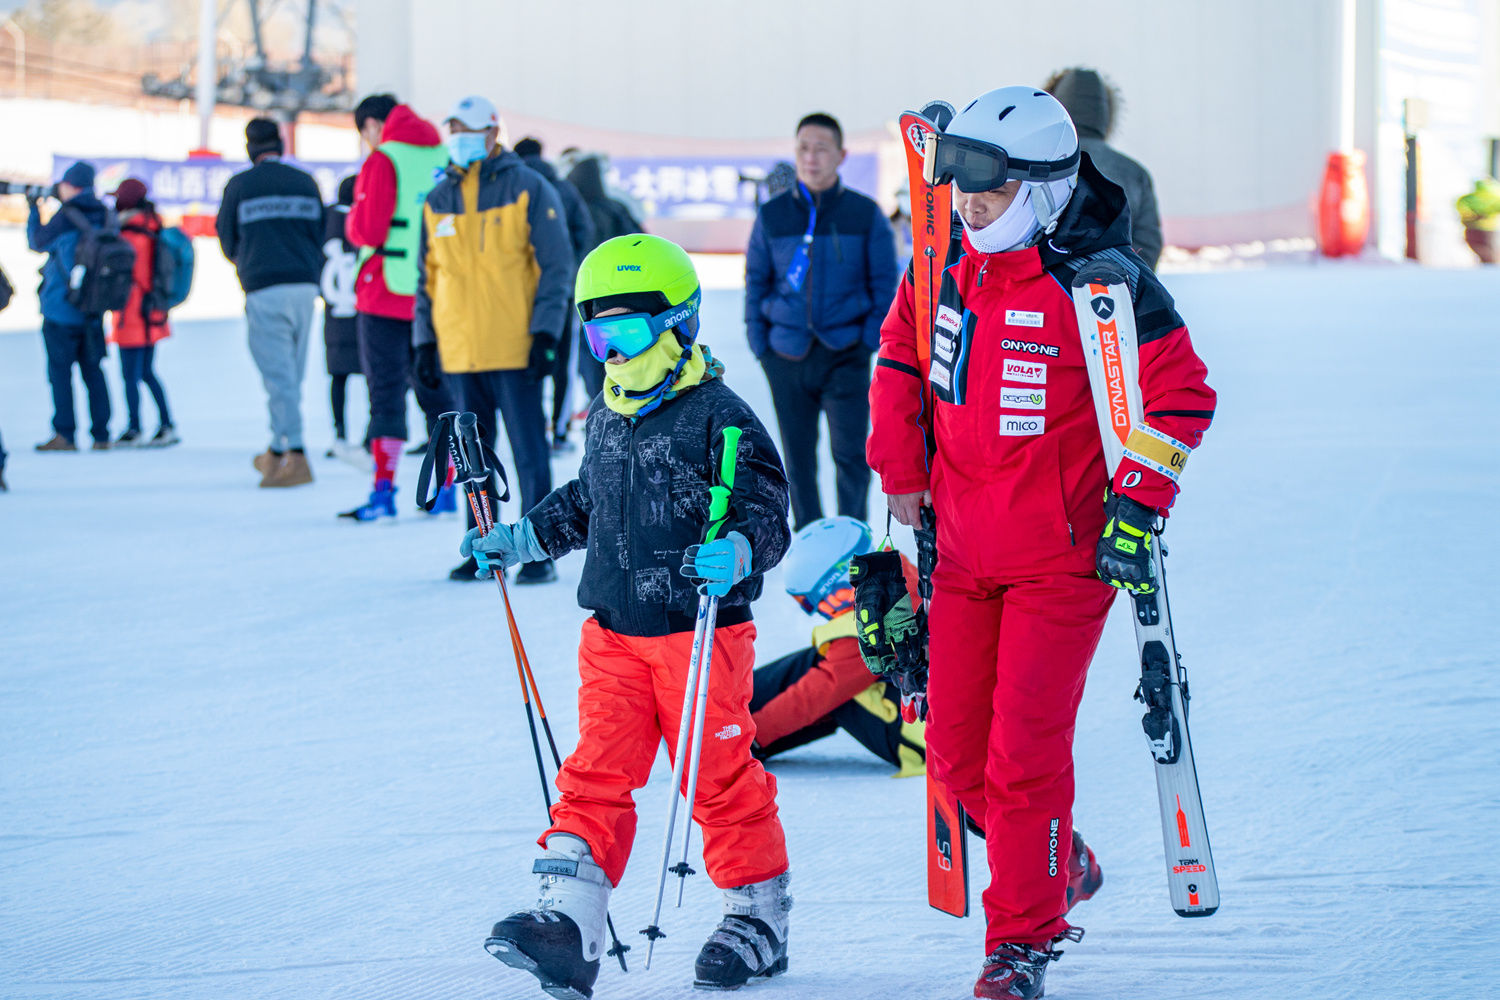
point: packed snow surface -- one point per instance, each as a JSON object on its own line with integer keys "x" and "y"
{"x": 250, "y": 750}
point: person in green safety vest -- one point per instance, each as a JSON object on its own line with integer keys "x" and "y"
{"x": 406, "y": 161}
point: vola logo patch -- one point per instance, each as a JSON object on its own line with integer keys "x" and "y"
{"x": 1015, "y": 317}
{"x": 1016, "y": 425}
{"x": 1030, "y": 372}
{"x": 1012, "y": 398}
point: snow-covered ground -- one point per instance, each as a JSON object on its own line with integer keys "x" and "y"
{"x": 252, "y": 751}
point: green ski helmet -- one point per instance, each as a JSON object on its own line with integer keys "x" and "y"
{"x": 651, "y": 277}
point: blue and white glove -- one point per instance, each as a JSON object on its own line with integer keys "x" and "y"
{"x": 505, "y": 545}
{"x": 718, "y": 565}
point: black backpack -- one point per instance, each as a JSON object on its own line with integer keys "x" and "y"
{"x": 6, "y": 291}
{"x": 103, "y": 266}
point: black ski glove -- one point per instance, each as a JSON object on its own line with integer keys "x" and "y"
{"x": 885, "y": 623}
{"x": 1124, "y": 557}
{"x": 543, "y": 357}
{"x": 424, "y": 367}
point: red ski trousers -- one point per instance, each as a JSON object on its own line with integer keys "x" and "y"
{"x": 630, "y": 698}
{"x": 1008, "y": 663}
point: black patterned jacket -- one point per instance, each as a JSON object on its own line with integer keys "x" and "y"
{"x": 641, "y": 498}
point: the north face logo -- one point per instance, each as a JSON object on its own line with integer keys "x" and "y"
{"x": 729, "y": 732}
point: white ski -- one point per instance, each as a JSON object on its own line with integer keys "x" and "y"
{"x": 1106, "y": 324}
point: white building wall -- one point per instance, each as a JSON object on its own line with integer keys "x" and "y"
{"x": 1232, "y": 106}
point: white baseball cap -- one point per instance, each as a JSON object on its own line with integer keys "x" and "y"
{"x": 474, "y": 112}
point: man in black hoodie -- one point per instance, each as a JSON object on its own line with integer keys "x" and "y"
{"x": 271, "y": 226}
{"x": 1092, "y": 104}
{"x": 611, "y": 218}
{"x": 581, "y": 232}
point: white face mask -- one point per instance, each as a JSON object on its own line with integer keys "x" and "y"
{"x": 1016, "y": 225}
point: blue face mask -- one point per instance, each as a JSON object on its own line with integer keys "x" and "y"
{"x": 466, "y": 147}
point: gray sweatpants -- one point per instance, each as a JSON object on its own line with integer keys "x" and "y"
{"x": 279, "y": 319}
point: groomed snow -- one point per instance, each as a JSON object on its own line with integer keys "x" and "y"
{"x": 252, "y": 751}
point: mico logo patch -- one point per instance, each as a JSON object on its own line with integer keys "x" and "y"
{"x": 1028, "y": 347}
{"x": 1016, "y": 425}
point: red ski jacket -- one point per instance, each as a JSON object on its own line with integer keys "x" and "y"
{"x": 374, "y": 205}
{"x": 1005, "y": 436}
{"x": 136, "y": 325}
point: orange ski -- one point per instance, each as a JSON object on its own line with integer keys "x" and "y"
{"x": 947, "y": 851}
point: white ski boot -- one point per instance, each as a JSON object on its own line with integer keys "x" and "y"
{"x": 561, "y": 940}
{"x": 750, "y": 942}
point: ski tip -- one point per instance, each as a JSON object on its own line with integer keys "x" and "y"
{"x": 1201, "y": 912}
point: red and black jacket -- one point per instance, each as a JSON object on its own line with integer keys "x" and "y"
{"x": 1006, "y": 437}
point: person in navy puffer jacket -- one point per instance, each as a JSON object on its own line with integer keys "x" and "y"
{"x": 820, "y": 273}
{"x": 70, "y": 336}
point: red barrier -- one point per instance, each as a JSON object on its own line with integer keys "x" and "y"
{"x": 1344, "y": 205}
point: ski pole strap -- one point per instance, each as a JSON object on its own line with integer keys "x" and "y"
{"x": 439, "y": 449}
{"x": 719, "y": 493}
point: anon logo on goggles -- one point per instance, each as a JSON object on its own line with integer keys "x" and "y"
{"x": 976, "y": 165}
{"x": 632, "y": 334}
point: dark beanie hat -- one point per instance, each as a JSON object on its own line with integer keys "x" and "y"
{"x": 346, "y": 190}
{"x": 262, "y": 136}
{"x": 80, "y": 175}
{"x": 129, "y": 194}
{"x": 528, "y": 147}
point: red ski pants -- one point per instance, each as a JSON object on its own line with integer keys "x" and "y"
{"x": 1008, "y": 663}
{"x": 630, "y": 698}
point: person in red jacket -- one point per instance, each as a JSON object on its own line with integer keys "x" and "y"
{"x": 407, "y": 159}
{"x": 138, "y": 327}
{"x": 990, "y": 420}
{"x": 816, "y": 691}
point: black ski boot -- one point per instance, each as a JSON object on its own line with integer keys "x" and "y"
{"x": 561, "y": 940}
{"x": 750, "y": 942}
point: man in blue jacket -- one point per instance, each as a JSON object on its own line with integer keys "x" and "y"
{"x": 820, "y": 273}
{"x": 70, "y": 336}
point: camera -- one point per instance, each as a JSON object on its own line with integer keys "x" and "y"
{"x": 29, "y": 190}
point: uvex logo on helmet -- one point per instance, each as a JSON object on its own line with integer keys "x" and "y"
{"x": 627, "y": 267}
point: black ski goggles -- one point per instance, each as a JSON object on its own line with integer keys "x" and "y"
{"x": 980, "y": 166}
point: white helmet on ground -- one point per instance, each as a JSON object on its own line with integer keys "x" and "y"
{"x": 1014, "y": 133}
{"x": 816, "y": 568}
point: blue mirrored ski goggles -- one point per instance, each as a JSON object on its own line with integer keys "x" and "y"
{"x": 632, "y": 334}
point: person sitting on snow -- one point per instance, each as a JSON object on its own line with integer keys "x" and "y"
{"x": 816, "y": 691}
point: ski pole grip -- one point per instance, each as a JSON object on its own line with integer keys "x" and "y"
{"x": 718, "y": 494}
{"x": 469, "y": 466}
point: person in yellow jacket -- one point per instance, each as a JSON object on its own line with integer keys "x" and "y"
{"x": 494, "y": 269}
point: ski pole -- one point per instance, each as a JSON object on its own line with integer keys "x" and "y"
{"x": 472, "y": 464}
{"x": 694, "y": 695}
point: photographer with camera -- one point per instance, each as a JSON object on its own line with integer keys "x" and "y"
{"x": 71, "y": 336}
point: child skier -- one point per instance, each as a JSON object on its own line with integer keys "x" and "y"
{"x": 639, "y": 505}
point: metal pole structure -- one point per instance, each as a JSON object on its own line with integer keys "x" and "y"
{"x": 1346, "y": 76}
{"x": 14, "y": 30}
{"x": 208, "y": 82}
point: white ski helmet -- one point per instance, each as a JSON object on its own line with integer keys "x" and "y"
{"x": 816, "y": 568}
{"x": 1014, "y": 133}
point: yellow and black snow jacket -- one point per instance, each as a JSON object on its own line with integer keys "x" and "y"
{"x": 494, "y": 266}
